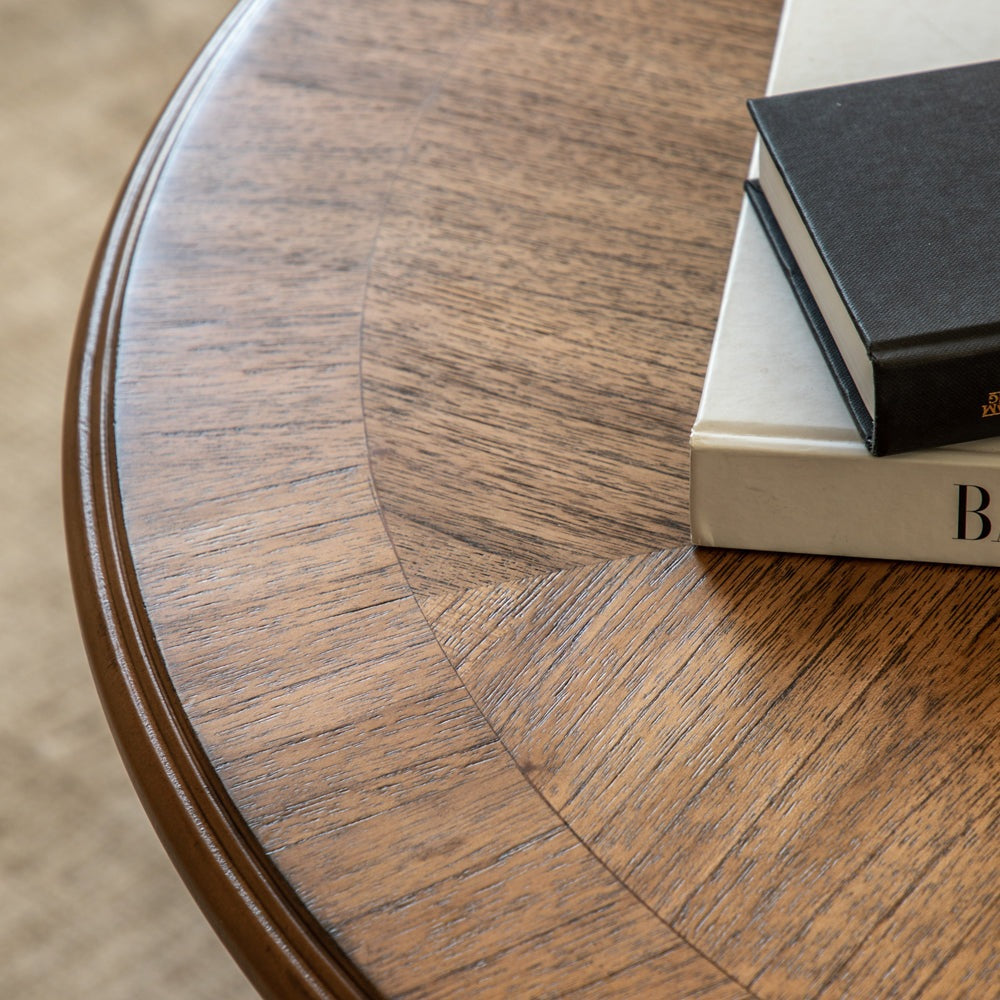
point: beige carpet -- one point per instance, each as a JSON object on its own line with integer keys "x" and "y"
{"x": 91, "y": 907}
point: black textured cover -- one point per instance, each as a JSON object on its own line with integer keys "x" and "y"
{"x": 898, "y": 182}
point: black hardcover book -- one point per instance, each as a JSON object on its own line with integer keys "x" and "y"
{"x": 882, "y": 200}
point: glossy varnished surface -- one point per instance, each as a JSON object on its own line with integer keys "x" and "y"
{"x": 377, "y": 488}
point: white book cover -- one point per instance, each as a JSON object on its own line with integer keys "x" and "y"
{"x": 776, "y": 460}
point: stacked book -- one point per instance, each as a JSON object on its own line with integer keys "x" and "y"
{"x": 852, "y": 400}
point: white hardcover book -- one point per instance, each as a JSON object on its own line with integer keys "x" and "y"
{"x": 776, "y": 461}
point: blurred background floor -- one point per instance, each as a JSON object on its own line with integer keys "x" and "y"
{"x": 92, "y": 908}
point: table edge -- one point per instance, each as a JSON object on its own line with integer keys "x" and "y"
{"x": 279, "y": 946}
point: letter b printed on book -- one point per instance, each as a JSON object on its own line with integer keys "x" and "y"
{"x": 973, "y": 502}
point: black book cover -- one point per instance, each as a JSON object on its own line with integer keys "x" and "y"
{"x": 897, "y": 182}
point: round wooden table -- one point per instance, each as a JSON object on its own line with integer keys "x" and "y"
{"x": 377, "y": 505}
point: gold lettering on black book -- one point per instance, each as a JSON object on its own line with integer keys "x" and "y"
{"x": 991, "y": 408}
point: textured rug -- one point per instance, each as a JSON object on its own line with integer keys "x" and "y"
{"x": 91, "y": 908}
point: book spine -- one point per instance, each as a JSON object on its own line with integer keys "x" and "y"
{"x": 944, "y": 507}
{"x": 936, "y": 397}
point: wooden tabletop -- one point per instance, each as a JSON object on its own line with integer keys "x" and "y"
{"x": 377, "y": 505}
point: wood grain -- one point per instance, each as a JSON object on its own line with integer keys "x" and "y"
{"x": 568, "y": 200}
{"x": 810, "y": 745}
{"x": 376, "y": 497}
{"x": 271, "y": 621}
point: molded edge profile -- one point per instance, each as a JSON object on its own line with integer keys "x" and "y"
{"x": 278, "y": 944}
